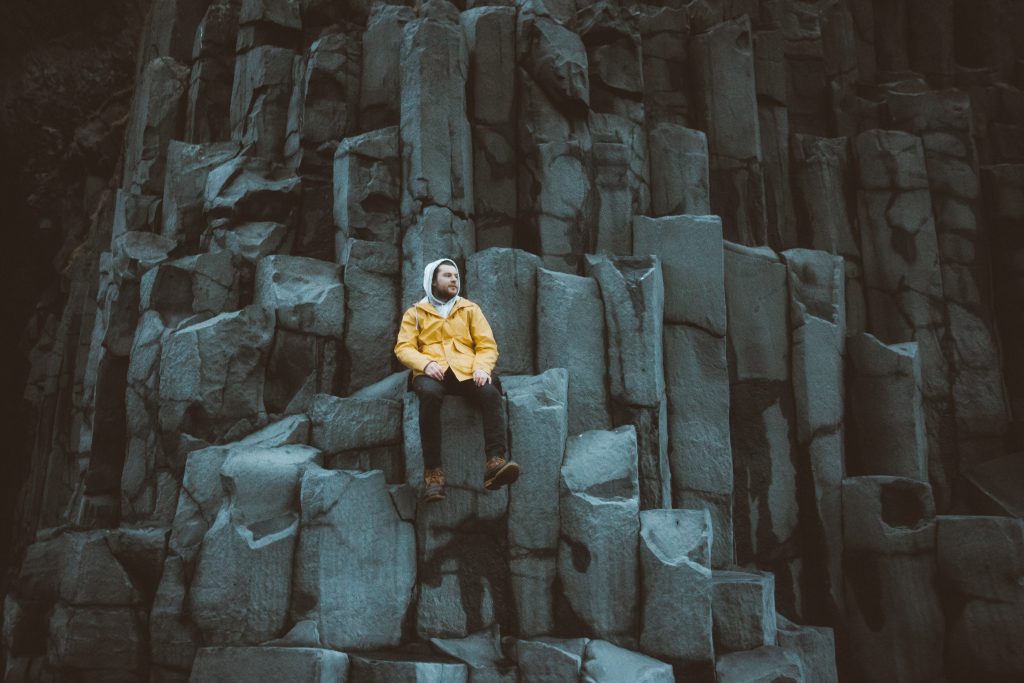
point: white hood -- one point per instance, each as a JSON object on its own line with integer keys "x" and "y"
{"x": 443, "y": 307}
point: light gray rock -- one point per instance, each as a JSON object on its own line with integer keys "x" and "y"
{"x": 372, "y": 310}
{"x": 538, "y": 428}
{"x": 597, "y": 555}
{"x": 379, "y": 87}
{"x": 249, "y": 241}
{"x": 888, "y": 414}
{"x": 437, "y": 149}
{"x": 345, "y": 424}
{"x": 743, "y": 607}
{"x": 152, "y": 124}
{"x": 550, "y": 660}
{"x": 503, "y": 282}
{"x": 726, "y": 107}
{"x": 184, "y": 185}
{"x": 553, "y": 55}
{"x": 482, "y": 655}
{"x": 437, "y": 233}
{"x": 249, "y": 188}
{"x": 211, "y": 373}
{"x": 392, "y": 387}
{"x": 457, "y": 538}
{"x": 306, "y": 294}
{"x": 679, "y": 171}
{"x": 894, "y": 618}
{"x": 978, "y": 558}
{"x": 606, "y": 663}
{"x": 675, "y": 562}
{"x": 815, "y": 646}
{"x": 260, "y": 98}
{"x": 356, "y": 560}
{"x": 383, "y": 668}
{"x": 305, "y": 665}
{"x": 367, "y": 186}
{"x": 240, "y": 592}
{"x": 763, "y": 665}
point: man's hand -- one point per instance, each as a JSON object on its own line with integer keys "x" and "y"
{"x": 481, "y": 378}
{"x": 434, "y": 370}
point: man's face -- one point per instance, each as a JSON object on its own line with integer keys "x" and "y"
{"x": 446, "y": 282}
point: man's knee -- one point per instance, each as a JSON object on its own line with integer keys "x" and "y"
{"x": 488, "y": 393}
{"x": 428, "y": 388}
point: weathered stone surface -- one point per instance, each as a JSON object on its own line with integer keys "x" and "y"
{"x": 679, "y": 171}
{"x": 815, "y": 647}
{"x": 249, "y": 241}
{"x": 300, "y": 366}
{"x": 240, "y": 592}
{"x": 249, "y": 188}
{"x": 549, "y": 660}
{"x": 208, "y": 115}
{"x": 600, "y": 527}
{"x": 211, "y": 373}
{"x": 818, "y": 319}
{"x": 463, "y": 576}
{"x": 300, "y": 664}
{"x": 437, "y": 153}
{"x": 134, "y": 213}
{"x": 504, "y": 284}
{"x": 388, "y": 668}
{"x": 763, "y": 665}
{"x": 894, "y": 619}
{"x": 888, "y": 416}
{"x": 345, "y": 424}
{"x": 92, "y": 577}
{"x": 621, "y": 175}
{"x": 305, "y": 294}
{"x": 552, "y": 54}
{"x": 260, "y": 98}
{"x": 202, "y": 284}
{"x": 978, "y": 558}
{"x": 606, "y": 663}
{"x": 96, "y": 641}
{"x": 367, "y": 186}
{"x": 538, "y": 427}
{"x": 665, "y": 34}
{"x": 372, "y": 310}
{"x": 571, "y": 335}
{"x": 379, "y": 87}
{"x": 482, "y": 655}
{"x": 437, "y": 233}
{"x": 173, "y": 639}
{"x": 723, "y": 64}
{"x": 675, "y": 562}
{"x": 356, "y": 560}
{"x": 183, "y": 193}
{"x": 904, "y": 284}
{"x": 152, "y": 124}
{"x": 743, "y": 607}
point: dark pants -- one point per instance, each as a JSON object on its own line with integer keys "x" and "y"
{"x": 431, "y": 393}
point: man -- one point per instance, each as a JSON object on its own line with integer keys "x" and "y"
{"x": 447, "y": 343}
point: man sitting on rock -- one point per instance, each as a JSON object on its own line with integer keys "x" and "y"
{"x": 447, "y": 343}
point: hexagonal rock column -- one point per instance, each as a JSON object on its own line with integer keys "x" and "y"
{"x": 664, "y": 35}
{"x": 696, "y": 375}
{"x": 152, "y": 124}
{"x": 886, "y": 406}
{"x": 743, "y": 608}
{"x": 679, "y": 171}
{"x": 978, "y": 559}
{"x": 355, "y": 568}
{"x": 762, "y": 664}
{"x": 550, "y": 659}
{"x": 437, "y": 154}
{"x": 188, "y": 167}
{"x": 608, "y": 663}
{"x": 379, "y": 86}
{"x": 816, "y": 646}
{"x": 504, "y": 283}
{"x": 571, "y": 335}
{"x": 825, "y": 210}
{"x": 818, "y": 320}
{"x": 761, "y": 415}
{"x": 490, "y": 37}
{"x": 894, "y": 620}
{"x": 299, "y": 664}
{"x": 538, "y": 423}
{"x": 905, "y": 296}
{"x": 463, "y": 573}
{"x": 675, "y": 563}
{"x": 633, "y": 293}
{"x": 597, "y": 555}
{"x": 944, "y": 122}
{"x": 241, "y": 589}
{"x": 727, "y": 107}
{"x": 359, "y": 433}
{"x": 208, "y": 113}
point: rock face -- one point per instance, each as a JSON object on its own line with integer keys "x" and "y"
{"x": 753, "y": 269}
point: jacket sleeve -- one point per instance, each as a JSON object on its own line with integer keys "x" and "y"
{"x": 406, "y": 348}
{"x": 483, "y": 341}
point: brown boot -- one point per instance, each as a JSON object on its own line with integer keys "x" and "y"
{"x": 433, "y": 489}
{"x": 498, "y": 473}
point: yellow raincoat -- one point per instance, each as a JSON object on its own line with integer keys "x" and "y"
{"x": 463, "y": 341}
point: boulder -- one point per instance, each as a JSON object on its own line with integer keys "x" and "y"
{"x": 355, "y": 562}
{"x": 743, "y": 607}
{"x": 675, "y": 563}
{"x": 305, "y": 294}
{"x": 503, "y": 282}
{"x": 679, "y": 171}
{"x": 299, "y": 664}
{"x": 600, "y": 525}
